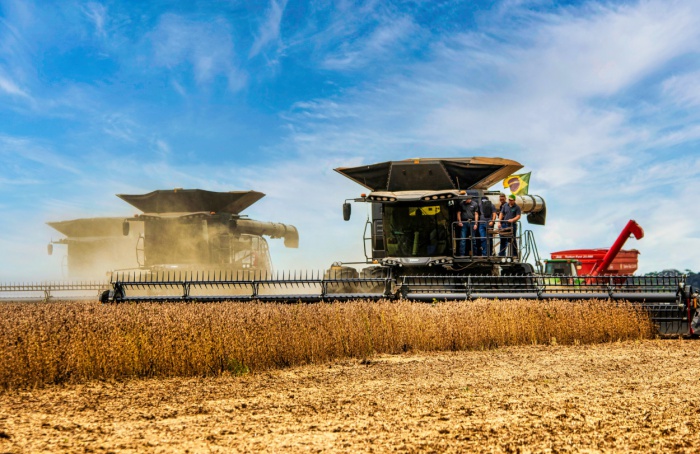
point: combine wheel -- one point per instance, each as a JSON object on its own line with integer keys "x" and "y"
{"x": 524, "y": 273}
{"x": 111, "y": 296}
{"x": 521, "y": 269}
{"x": 374, "y": 272}
{"x": 337, "y": 275}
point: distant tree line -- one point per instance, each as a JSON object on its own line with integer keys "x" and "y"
{"x": 693, "y": 278}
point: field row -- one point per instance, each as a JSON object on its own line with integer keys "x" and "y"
{"x": 51, "y": 343}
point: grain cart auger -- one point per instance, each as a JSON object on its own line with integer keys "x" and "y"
{"x": 671, "y": 304}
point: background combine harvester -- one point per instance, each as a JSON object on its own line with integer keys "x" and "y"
{"x": 180, "y": 232}
{"x": 196, "y": 234}
{"x": 412, "y": 251}
{"x": 95, "y": 246}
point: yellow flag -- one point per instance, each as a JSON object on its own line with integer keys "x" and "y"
{"x": 518, "y": 184}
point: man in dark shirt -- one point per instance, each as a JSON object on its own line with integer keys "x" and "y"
{"x": 509, "y": 217}
{"x": 487, "y": 219}
{"x": 467, "y": 219}
{"x": 501, "y": 201}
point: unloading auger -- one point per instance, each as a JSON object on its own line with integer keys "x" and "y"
{"x": 415, "y": 250}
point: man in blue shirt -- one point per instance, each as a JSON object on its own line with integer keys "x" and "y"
{"x": 467, "y": 219}
{"x": 487, "y": 220}
{"x": 509, "y": 217}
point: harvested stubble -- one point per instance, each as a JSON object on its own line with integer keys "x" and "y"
{"x": 51, "y": 343}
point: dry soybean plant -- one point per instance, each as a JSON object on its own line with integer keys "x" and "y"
{"x": 53, "y": 343}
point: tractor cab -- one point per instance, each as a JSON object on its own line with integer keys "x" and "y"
{"x": 562, "y": 267}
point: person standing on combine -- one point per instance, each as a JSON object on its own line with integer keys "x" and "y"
{"x": 488, "y": 217}
{"x": 501, "y": 201}
{"x": 467, "y": 219}
{"x": 509, "y": 217}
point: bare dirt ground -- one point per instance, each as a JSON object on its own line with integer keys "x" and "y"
{"x": 635, "y": 396}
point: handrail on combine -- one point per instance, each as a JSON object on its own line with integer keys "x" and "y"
{"x": 530, "y": 248}
{"x": 492, "y": 242}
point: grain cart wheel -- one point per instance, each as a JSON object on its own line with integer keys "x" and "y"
{"x": 336, "y": 274}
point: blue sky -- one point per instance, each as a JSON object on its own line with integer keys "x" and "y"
{"x": 598, "y": 99}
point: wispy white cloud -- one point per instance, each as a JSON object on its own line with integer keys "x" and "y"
{"x": 120, "y": 126}
{"x": 11, "y": 88}
{"x": 97, "y": 13}
{"x": 269, "y": 31}
{"x": 206, "y": 46}
{"x": 179, "y": 88}
{"x": 683, "y": 89}
{"x": 597, "y": 50}
{"x": 15, "y": 152}
{"x": 381, "y": 42}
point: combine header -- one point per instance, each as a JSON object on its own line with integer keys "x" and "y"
{"x": 415, "y": 248}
